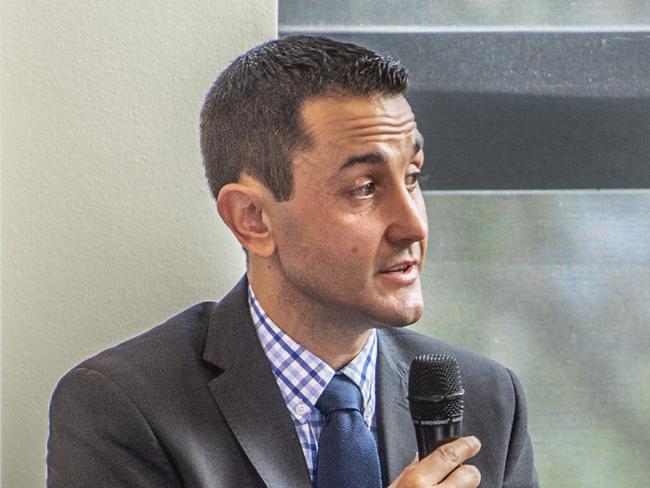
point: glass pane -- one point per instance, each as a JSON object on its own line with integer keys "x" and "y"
{"x": 521, "y": 110}
{"x": 378, "y": 15}
{"x": 555, "y": 285}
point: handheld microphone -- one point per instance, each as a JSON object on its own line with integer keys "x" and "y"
{"x": 436, "y": 401}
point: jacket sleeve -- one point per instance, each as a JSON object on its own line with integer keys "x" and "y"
{"x": 520, "y": 469}
{"x": 98, "y": 437}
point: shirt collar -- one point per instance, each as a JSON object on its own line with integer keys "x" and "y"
{"x": 301, "y": 375}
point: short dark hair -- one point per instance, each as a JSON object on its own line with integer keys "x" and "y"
{"x": 251, "y": 116}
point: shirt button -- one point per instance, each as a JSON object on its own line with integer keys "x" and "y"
{"x": 302, "y": 409}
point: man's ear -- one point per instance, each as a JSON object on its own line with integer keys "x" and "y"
{"x": 242, "y": 209}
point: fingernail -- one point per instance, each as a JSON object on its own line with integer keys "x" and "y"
{"x": 475, "y": 442}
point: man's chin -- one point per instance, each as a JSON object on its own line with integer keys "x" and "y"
{"x": 401, "y": 316}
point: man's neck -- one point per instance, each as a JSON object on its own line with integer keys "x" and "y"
{"x": 330, "y": 336}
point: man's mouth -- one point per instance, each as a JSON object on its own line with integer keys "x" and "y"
{"x": 402, "y": 267}
{"x": 401, "y": 274}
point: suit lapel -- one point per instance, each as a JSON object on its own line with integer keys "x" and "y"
{"x": 248, "y": 397}
{"x": 397, "y": 444}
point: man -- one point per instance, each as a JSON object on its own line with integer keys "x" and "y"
{"x": 313, "y": 156}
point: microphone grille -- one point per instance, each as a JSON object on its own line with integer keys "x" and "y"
{"x": 435, "y": 388}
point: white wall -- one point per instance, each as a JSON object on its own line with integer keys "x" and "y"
{"x": 108, "y": 227}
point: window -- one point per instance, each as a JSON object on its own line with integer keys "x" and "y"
{"x": 537, "y": 128}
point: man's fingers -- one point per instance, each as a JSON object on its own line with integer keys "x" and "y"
{"x": 466, "y": 476}
{"x": 447, "y": 457}
{"x": 438, "y": 465}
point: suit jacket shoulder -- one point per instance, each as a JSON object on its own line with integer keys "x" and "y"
{"x": 166, "y": 359}
{"x": 191, "y": 402}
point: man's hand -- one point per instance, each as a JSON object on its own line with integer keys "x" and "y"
{"x": 443, "y": 467}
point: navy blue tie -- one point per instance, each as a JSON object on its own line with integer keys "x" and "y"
{"x": 347, "y": 451}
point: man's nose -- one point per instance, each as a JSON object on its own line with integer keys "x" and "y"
{"x": 408, "y": 218}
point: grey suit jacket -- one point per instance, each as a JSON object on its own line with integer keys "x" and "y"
{"x": 193, "y": 403}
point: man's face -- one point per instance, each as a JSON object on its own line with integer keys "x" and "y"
{"x": 351, "y": 241}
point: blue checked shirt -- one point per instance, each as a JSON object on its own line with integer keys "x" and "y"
{"x": 302, "y": 378}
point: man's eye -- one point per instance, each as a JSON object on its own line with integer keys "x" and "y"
{"x": 412, "y": 179}
{"x": 364, "y": 190}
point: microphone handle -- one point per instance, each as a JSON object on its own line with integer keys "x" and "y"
{"x": 430, "y": 435}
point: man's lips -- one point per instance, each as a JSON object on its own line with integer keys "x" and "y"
{"x": 400, "y": 274}
{"x": 401, "y": 267}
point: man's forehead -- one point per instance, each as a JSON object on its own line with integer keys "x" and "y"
{"x": 347, "y": 132}
{"x": 359, "y": 117}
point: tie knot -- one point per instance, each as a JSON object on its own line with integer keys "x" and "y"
{"x": 340, "y": 394}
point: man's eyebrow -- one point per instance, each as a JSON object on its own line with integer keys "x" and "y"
{"x": 378, "y": 158}
{"x": 367, "y": 158}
